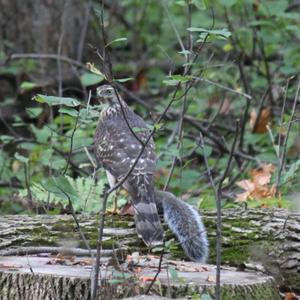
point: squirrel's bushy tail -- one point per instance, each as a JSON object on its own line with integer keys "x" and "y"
{"x": 185, "y": 223}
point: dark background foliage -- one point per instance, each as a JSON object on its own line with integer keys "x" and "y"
{"x": 247, "y": 62}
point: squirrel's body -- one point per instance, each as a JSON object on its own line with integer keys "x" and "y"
{"x": 185, "y": 223}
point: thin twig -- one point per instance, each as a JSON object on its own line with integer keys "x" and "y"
{"x": 218, "y": 196}
{"x": 219, "y": 214}
{"x": 59, "y": 47}
{"x": 214, "y": 117}
{"x": 174, "y": 28}
{"x": 133, "y": 96}
{"x": 118, "y": 13}
{"x": 159, "y": 269}
{"x": 62, "y": 58}
{"x": 184, "y": 102}
{"x": 27, "y": 183}
{"x": 71, "y": 143}
{"x": 77, "y": 223}
{"x": 246, "y": 110}
{"x": 242, "y": 54}
{"x": 116, "y": 186}
{"x": 90, "y": 158}
{"x": 282, "y": 115}
{"x": 261, "y": 46}
{"x": 84, "y": 28}
{"x": 125, "y": 117}
{"x": 284, "y": 146}
{"x": 245, "y": 95}
{"x": 188, "y": 85}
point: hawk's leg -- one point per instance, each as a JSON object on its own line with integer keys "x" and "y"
{"x": 112, "y": 181}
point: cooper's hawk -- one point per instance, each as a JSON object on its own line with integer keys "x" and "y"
{"x": 117, "y": 148}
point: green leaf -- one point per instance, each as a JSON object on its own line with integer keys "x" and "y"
{"x": 34, "y": 111}
{"x": 61, "y": 187}
{"x": 157, "y": 249}
{"x": 173, "y": 273}
{"x": 181, "y": 2}
{"x": 205, "y": 151}
{"x": 185, "y": 52}
{"x": 157, "y": 126}
{"x": 221, "y": 33}
{"x": 170, "y": 82}
{"x": 89, "y": 113}
{"x": 206, "y": 297}
{"x": 292, "y": 171}
{"x": 175, "y": 79}
{"x": 182, "y": 78}
{"x": 117, "y": 274}
{"x": 6, "y": 138}
{"x": 53, "y": 100}
{"x": 200, "y": 4}
{"x": 124, "y": 79}
{"x": 115, "y": 281}
{"x": 68, "y": 111}
{"x": 21, "y": 158}
{"x": 124, "y": 39}
{"x": 82, "y": 191}
{"x": 88, "y": 79}
{"x": 27, "y": 85}
{"x": 228, "y": 3}
{"x": 42, "y": 134}
{"x": 94, "y": 70}
{"x": 139, "y": 129}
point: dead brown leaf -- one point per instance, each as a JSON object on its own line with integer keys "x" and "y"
{"x": 127, "y": 210}
{"x": 211, "y": 278}
{"x": 140, "y": 82}
{"x": 257, "y": 187}
{"x": 290, "y": 296}
{"x": 83, "y": 262}
{"x": 10, "y": 266}
{"x": 146, "y": 278}
{"x": 260, "y": 125}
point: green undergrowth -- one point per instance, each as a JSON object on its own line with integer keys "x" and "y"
{"x": 208, "y": 201}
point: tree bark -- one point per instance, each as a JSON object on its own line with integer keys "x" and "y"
{"x": 267, "y": 238}
{"x": 262, "y": 238}
{"x": 39, "y": 26}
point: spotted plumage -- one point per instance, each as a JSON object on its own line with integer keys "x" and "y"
{"x": 117, "y": 148}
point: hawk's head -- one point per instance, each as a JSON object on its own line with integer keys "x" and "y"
{"x": 107, "y": 94}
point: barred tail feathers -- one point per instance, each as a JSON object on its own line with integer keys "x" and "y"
{"x": 146, "y": 217}
{"x": 186, "y": 224}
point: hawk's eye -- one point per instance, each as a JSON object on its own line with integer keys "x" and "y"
{"x": 109, "y": 92}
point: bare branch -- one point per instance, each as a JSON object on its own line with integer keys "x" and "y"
{"x": 284, "y": 146}
{"x": 54, "y": 250}
{"x": 46, "y": 56}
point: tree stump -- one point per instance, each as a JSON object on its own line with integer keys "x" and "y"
{"x": 40, "y": 278}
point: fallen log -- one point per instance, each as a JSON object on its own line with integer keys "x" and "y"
{"x": 265, "y": 239}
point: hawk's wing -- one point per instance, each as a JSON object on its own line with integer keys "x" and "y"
{"x": 117, "y": 148}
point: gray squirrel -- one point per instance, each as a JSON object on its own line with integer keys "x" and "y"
{"x": 185, "y": 222}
